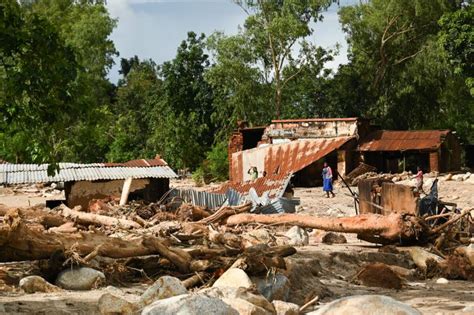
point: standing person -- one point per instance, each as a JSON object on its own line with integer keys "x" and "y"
{"x": 327, "y": 180}
{"x": 253, "y": 172}
{"x": 419, "y": 180}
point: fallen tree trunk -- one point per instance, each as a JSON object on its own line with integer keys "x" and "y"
{"x": 97, "y": 219}
{"x": 224, "y": 212}
{"x": 394, "y": 227}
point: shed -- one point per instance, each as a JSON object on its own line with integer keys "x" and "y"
{"x": 83, "y": 182}
{"x": 395, "y": 151}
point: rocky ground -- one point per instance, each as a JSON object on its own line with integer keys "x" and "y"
{"x": 318, "y": 269}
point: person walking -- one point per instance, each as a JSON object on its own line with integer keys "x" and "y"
{"x": 419, "y": 180}
{"x": 327, "y": 180}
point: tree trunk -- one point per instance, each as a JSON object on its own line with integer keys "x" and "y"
{"x": 97, "y": 219}
{"x": 393, "y": 228}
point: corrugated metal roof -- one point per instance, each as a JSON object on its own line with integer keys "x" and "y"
{"x": 288, "y": 157}
{"x": 314, "y": 119}
{"x": 389, "y": 140}
{"x": 273, "y": 185}
{"x": 33, "y": 173}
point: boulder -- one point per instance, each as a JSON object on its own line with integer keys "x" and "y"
{"x": 33, "y": 284}
{"x": 233, "y": 277}
{"x": 285, "y": 308}
{"x": 442, "y": 281}
{"x": 379, "y": 275}
{"x": 189, "y": 304}
{"x": 468, "y": 251}
{"x": 82, "y": 278}
{"x": 245, "y": 308}
{"x": 258, "y": 236}
{"x": 297, "y": 236}
{"x": 239, "y": 293}
{"x": 163, "y": 288}
{"x": 273, "y": 287}
{"x": 366, "y": 304}
{"x": 112, "y": 304}
{"x": 420, "y": 256}
{"x": 334, "y": 238}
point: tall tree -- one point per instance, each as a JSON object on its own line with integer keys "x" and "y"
{"x": 37, "y": 73}
{"x": 395, "y": 53}
{"x": 183, "y": 129}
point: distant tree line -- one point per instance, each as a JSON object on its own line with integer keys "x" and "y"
{"x": 410, "y": 67}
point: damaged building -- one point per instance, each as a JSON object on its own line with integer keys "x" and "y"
{"x": 84, "y": 182}
{"x": 299, "y": 147}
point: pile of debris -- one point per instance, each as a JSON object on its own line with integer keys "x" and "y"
{"x": 188, "y": 246}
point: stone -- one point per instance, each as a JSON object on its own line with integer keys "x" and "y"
{"x": 420, "y": 256}
{"x": 189, "y": 304}
{"x": 273, "y": 287}
{"x": 233, "y": 277}
{"x": 379, "y": 275}
{"x": 366, "y": 304}
{"x": 163, "y": 288}
{"x": 442, "y": 281}
{"x": 334, "y": 238}
{"x": 112, "y": 304}
{"x": 468, "y": 251}
{"x": 82, "y": 278}
{"x": 285, "y": 308}
{"x": 258, "y": 236}
{"x": 297, "y": 236}
{"x": 33, "y": 284}
{"x": 245, "y": 308}
{"x": 239, "y": 293}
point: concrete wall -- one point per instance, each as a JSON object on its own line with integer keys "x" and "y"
{"x": 311, "y": 129}
{"x": 81, "y": 192}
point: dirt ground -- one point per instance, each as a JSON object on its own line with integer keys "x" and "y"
{"x": 332, "y": 266}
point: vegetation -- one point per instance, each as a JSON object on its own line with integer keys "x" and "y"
{"x": 410, "y": 66}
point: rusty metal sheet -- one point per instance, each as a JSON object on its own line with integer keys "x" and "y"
{"x": 283, "y": 159}
{"x": 398, "y": 198}
{"x": 389, "y": 140}
{"x": 275, "y": 186}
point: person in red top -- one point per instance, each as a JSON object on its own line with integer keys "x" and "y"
{"x": 419, "y": 180}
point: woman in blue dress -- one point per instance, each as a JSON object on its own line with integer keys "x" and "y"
{"x": 327, "y": 180}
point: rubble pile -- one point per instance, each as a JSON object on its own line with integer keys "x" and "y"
{"x": 197, "y": 259}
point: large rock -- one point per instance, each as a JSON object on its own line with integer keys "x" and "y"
{"x": 273, "y": 287}
{"x": 188, "y": 304}
{"x": 81, "y": 278}
{"x": 239, "y": 294}
{"x": 246, "y": 308}
{"x": 285, "y": 308}
{"x": 33, "y": 284}
{"x": 258, "y": 236}
{"x": 366, "y": 304}
{"x": 233, "y": 277}
{"x": 112, "y": 304}
{"x": 420, "y": 256}
{"x": 297, "y": 236}
{"x": 468, "y": 251}
{"x": 379, "y": 275}
{"x": 163, "y": 288}
{"x": 334, "y": 238}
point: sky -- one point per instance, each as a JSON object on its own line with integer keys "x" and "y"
{"x": 154, "y": 28}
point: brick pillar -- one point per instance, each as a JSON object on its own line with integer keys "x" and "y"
{"x": 236, "y": 144}
{"x": 434, "y": 161}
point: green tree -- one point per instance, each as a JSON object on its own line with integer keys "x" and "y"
{"x": 274, "y": 29}
{"x": 183, "y": 130}
{"x": 37, "y": 73}
{"x": 457, "y": 38}
{"x": 137, "y": 95}
{"x": 401, "y": 67}
{"x": 85, "y": 27}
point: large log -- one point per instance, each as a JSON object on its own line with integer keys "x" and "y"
{"x": 97, "y": 219}
{"x": 394, "y": 227}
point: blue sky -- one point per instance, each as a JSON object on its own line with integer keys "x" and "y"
{"x": 154, "y": 28}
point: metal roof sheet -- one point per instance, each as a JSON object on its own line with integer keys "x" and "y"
{"x": 288, "y": 157}
{"x": 273, "y": 185}
{"x": 33, "y": 173}
{"x": 390, "y": 140}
